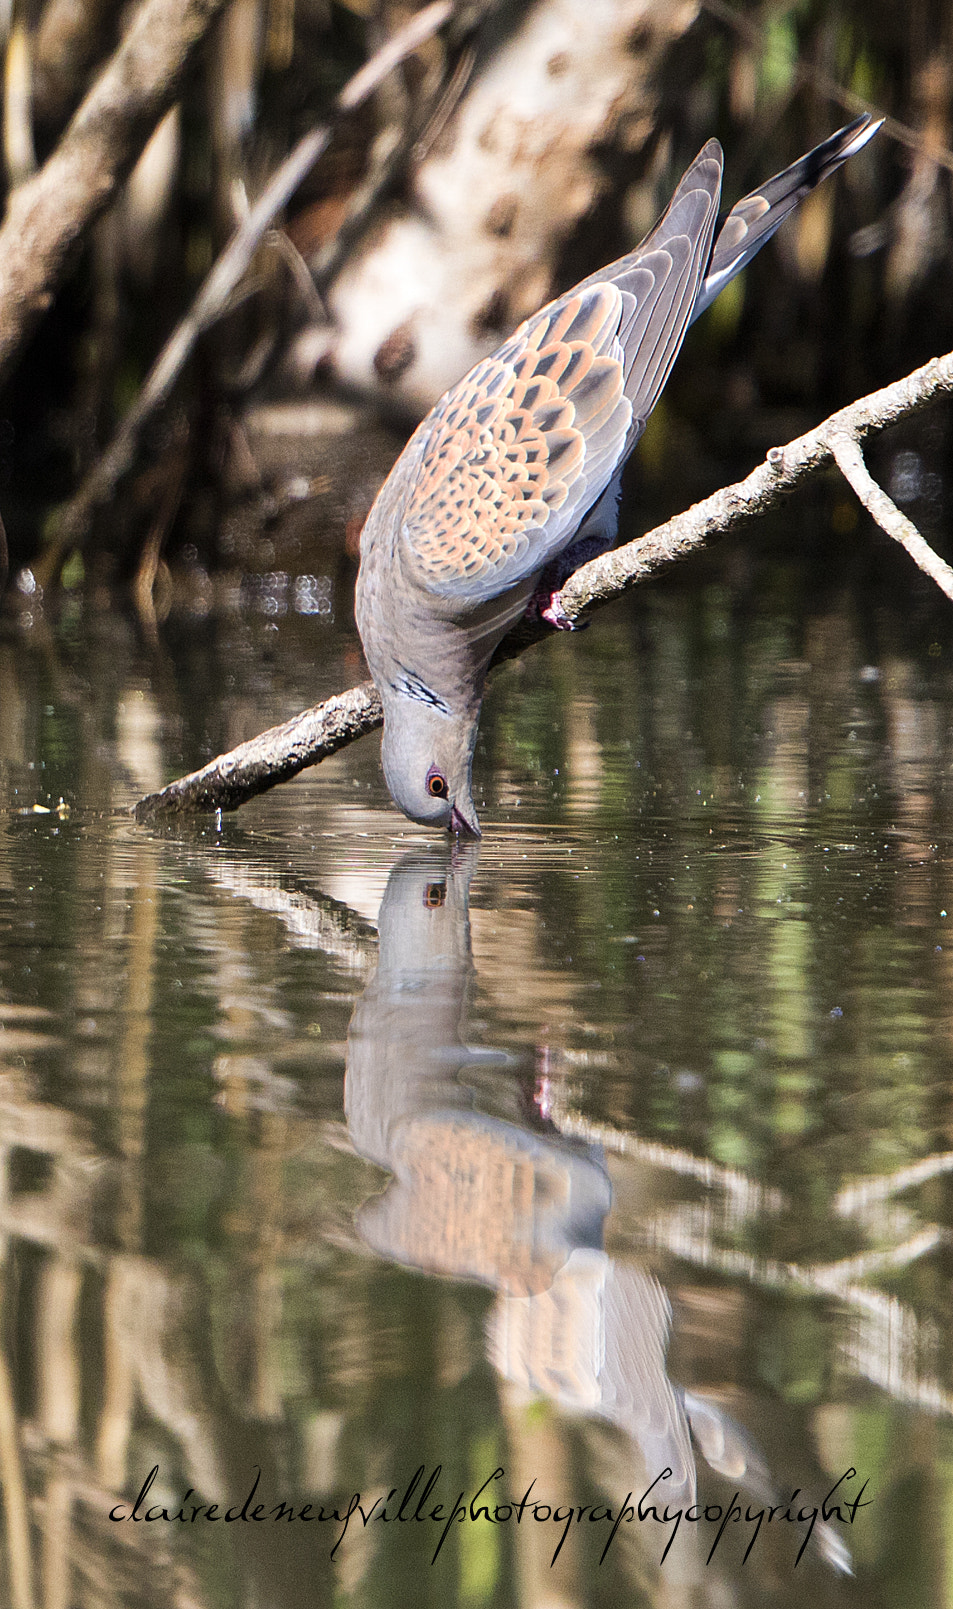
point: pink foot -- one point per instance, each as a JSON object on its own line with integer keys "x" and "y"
{"x": 554, "y": 612}
{"x": 546, "y": 605}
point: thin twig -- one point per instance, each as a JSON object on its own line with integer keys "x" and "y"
{"x": 284, "y": 247}
{"x": 19, "y": 151}
{"x": 214, "y": 296}
{"x": 283, "y": 751}
{"x": 850, "y": 462}
{"x": 413, "y": 145}
{"x": 143, "y": 590}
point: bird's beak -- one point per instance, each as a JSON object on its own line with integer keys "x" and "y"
{"x": 462, "y": 827}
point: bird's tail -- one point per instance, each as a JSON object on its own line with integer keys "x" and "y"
{"x": 754, "y": 219}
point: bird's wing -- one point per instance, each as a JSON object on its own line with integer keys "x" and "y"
{"x": 514, "y": 448}
{"x": 511, "y": 459}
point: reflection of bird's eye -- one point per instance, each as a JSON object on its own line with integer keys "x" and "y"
{"x": 437, "y": 783}
{"x": 435, "y": 895}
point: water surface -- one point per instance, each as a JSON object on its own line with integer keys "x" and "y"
{"x": 620, "y": 1144}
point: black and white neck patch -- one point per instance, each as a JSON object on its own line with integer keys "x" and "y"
{"x": 412, "y": 687}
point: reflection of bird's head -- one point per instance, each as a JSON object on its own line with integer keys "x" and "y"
{"x": 404, "y": 1042}
{"x": 427, "y": 758}
{"x": 423, "y": 921}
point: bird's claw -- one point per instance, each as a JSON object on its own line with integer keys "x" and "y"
{"x": 555, "y": 615}
{"x": 548, "y": 607}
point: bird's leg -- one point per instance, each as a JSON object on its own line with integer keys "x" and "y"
{"x": 545, "y": 604}
{"x": 596, "y": 535}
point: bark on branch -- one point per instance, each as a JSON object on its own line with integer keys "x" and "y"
{"x": 281, "y": 752}
{"x": 48, "y": 214}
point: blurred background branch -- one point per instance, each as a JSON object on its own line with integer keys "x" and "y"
{"x": 48, "y": 213}
{"x": 220, "y": 285}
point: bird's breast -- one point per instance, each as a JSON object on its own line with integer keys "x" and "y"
{"x": 421, "y": 644}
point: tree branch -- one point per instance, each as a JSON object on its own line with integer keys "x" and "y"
{"x": 275, "y": 756}
{"x": 283, "y": 751}
{"x": 69, "y": 36}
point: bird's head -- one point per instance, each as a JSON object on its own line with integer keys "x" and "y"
{"x": 427, "y": 757}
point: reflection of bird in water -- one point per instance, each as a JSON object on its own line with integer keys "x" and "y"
{"x": 519, "y": 465}
{"x": 474, "y": 1196}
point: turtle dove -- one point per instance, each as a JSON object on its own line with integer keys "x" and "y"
{"x": 521, "y": 461}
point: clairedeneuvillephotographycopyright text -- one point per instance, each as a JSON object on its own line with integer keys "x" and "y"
{"x": 421, "y": 1503}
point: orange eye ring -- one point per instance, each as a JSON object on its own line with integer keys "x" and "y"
{"x": 437, "y": 784}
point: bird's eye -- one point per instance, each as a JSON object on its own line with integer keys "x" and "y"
{"x": 437, "y": 783}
